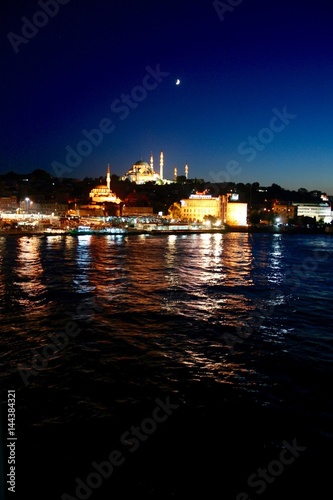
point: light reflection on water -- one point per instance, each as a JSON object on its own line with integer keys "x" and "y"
{"x": 165, "y": 304}
{"x": 84, "y": 261}
{"x": 2, "y": 267}
{"x": 181, "y": 292}
{"x": 29, "y": 271}
{"x": 205, "y": 275}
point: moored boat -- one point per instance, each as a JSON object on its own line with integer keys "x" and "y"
{"x": 105, "y": 230}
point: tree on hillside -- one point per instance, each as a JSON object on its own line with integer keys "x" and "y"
{"x": 175, "y": 211}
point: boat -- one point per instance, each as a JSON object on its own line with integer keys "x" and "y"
{"x": 54, "y": 231}
{"x": 99, "y": 231}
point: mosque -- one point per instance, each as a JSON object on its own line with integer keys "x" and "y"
{"x": 142, "y": 172}
{"x": 103, "y": 194}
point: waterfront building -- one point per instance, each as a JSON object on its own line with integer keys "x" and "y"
{"x": 29, "y": 206}
{"x": 8, "y": 203}
{"x": 284, "y": 211}
{"x": 236, "y": 214}
{"x": 202, "y": 205}
{"x": 103, "y": 194}
{"x": 319, "y": 211}
{"x": 198, "y": 206}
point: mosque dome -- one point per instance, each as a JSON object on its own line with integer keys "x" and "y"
{"x": 142, "y": 163}
{"x": 142, "y": 171}
{"x": 102, "y": 193}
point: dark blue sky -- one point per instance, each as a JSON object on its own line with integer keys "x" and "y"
{"x": 235, "y": 69}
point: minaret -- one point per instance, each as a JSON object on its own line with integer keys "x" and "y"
{"x": 151, "y": 162}
{"x": 186, "y": 170}
{"x": 108, "y": 178}
{"x": 161, "y": 164}
{"x": 175, "y": 174}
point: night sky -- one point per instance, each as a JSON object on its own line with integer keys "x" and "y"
{"x": 238, "y": 70}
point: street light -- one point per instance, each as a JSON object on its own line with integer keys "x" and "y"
{"x": 27, "y": 202}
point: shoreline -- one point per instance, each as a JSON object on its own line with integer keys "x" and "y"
{"x": 131, "y": 231}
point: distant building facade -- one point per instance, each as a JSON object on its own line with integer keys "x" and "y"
{"x": 202, "y": 205}
{"x": 319, "y": 211}
{"x": 44, "y": 207}
{"x": 128, "y": 211}
{"x": 236, "y": 214}
{"x": 8, "y": 203}
{"x": 284, "y": 210}
{"x": 316, "y": 211}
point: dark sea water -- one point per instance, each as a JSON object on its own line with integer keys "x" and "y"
{"x": 196, "y": 363}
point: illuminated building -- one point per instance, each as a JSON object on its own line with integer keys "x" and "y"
{"x": 103, "y": 193}
{"x": 201, "y": 205}
{"x": 236, "y": 214}
{"x": 44, "y": 207}
{"x": 142, "y": 172}
{"x": 317, "y": 210}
